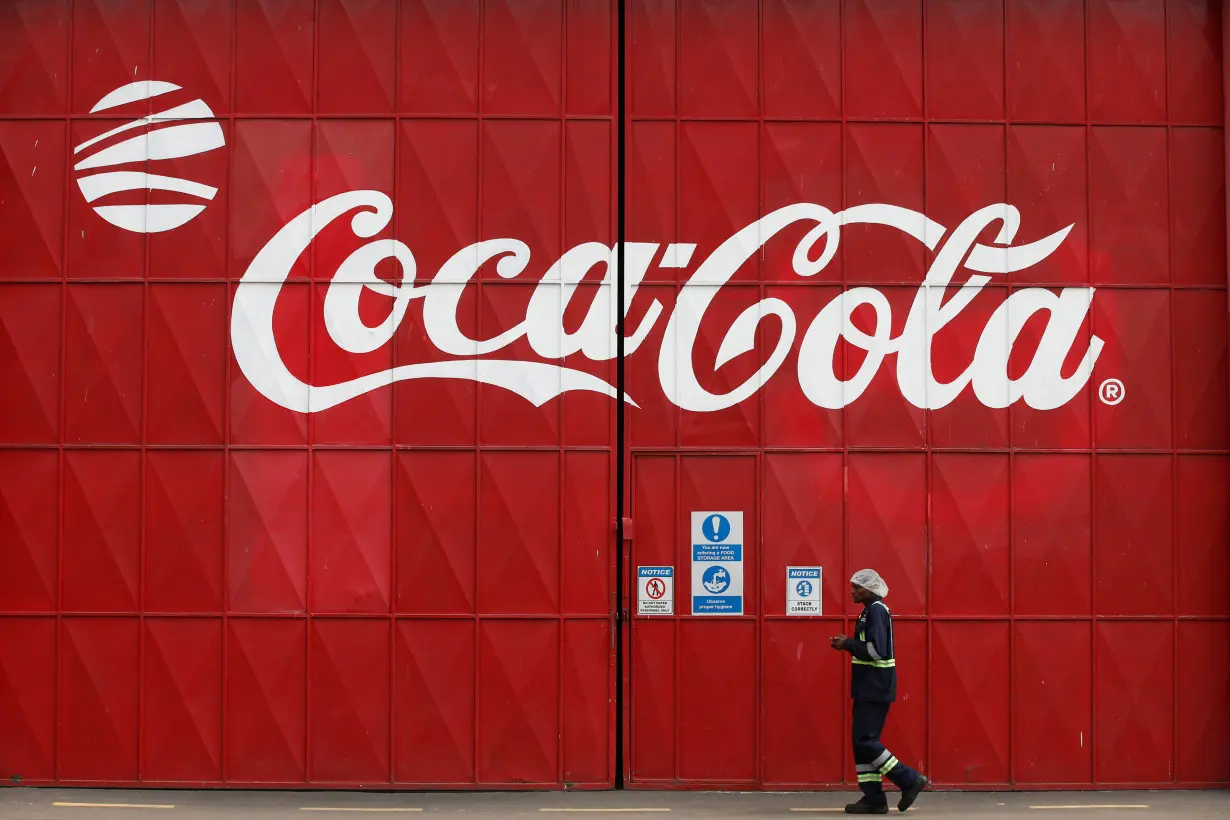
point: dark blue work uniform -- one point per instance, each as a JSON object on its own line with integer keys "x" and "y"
{"x": 873, "y": 686}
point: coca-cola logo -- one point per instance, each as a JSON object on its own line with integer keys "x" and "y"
{"x": 1042, "y": 385}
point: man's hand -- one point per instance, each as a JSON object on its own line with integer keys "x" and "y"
{"x": 838, "y": 641}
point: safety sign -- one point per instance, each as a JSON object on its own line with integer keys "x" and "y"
{"x": 717, "y": 563}
{"x": 655, "y": 591}
{"x": 803, "y": 590}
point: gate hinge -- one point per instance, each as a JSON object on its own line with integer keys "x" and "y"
{"x": 629, "y": 529}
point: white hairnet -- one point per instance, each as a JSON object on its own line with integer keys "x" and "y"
{"x": 871, "y": 581}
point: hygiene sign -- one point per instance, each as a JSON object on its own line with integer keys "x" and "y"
{"x": 717, "y": 563}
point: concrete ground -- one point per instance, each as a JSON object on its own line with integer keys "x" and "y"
{"x": 79, "y": 804}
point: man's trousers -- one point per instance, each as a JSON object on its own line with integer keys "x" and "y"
{"x": 872, "y": 761}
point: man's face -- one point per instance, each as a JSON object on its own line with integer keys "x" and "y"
{"x": 859, "y": 594}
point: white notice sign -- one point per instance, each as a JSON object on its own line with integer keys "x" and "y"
{"x": 803, "y": 590}
{"x": 655, "y": 594}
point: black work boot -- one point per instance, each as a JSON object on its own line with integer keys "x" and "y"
{"x": 864, "y": 807}
{"x": 908, "y": 796}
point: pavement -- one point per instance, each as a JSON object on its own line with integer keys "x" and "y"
{"x": 90, "y": 804}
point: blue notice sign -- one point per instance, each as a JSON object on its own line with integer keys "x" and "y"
{"x": 717, "y": 563}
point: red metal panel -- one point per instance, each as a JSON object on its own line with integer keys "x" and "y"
{"x": 717, "y": 677}
{"x": 34, "y": 36}
{"x": 886, "y": 524}
{"x": 523, "y": 73}
{"x": 970, "y": 735}
{"x": 435, "y": 531}
{"x": 274, "y": 53}
{"x": 1134, "y": 702}
{"x": 102, "y": 364}
{"x": 1127, "y": 60}
{"x": 30, "y": 331}
{"x": 1046, "y": 60}
{"x": 98, "y": 697}
{"x": 717, "y": 60}
{"x": 1052, "y": 700}
{"x": 111, "y": 47}
{"x": 585, "y": 711}
{"x": 970, "y": 520}
{"x": 518, "y": 533}
{"x": 883, "y": 58}
{"x": 1197, "y": 206}
{"x": 802, "y": 72}
{"x": 518, "y": 701}
{"x": 352, "y": 545}
{"x": 358, "y": 52}
{"x": 1201, "y": 378}
{"x": 32, "y": 206}
{"x": 802, "y": 694}
{"x": 265, "y": 701}
{"x": 192, "y": 42}
{"x": 1132, "y": 543}
{"x": 181, "y": 701}
{"x": 1202, "y": 531}
{"x": 350, "y": 701}
{"x": 433, "y": 705}
{"x": 965, "y": 60}
{"x": 184, "y": 531}
{"x": 28, "y": 697}
{"x": 1051, "y": 561}
{"x": 101, "y": 547}
{"x": 267, "y": 532}
{"x": 1204, "y": 715}
{"x": 185, "y": 346}
{"x": 29, "y": 484}
{"x": 801, "y": 500}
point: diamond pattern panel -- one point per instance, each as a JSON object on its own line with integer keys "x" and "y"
{"x": 589, "y": 60}
{"x": 739, "y": 425}
{"x": 274, "y": 52}
{"x": 717, "y": 59}
{"x": 439, "y": 57}
{"x": 970, "y": 521}
{"x": 29, "y": 485}
{"x": 886, "y": 524}
{"x": 1127, "y": 60}
{"x": 801, "y": 73}
{"x": 30, "y": 342}
{"x": 351, "y": 538}
{"x": 350, "y": 701}
{"x": 1051, "y": 559}
{"x": 1134, "y": 726}
{"x": 587, "y": 708}
{"x": 31, "y": 204}
{"x": 717, "y": 675}
{"x": 1201, "y": 381}
{"x": 1203, "y": 527}
{"x": 883, "y": 58}
{"x": 1046, "y": 60}
{"x": 103, "y": 364}
{"x": 265, "y": 701}
{"x": 435, "y": 531}
{"x": 965, "y": 60}
{"x": 518, "y": 533}
{"x": 790, "y": 419}
{"x": 434, "y": 691}
{"x": 1047, "y": 179}
{"x": 358, "y": 53}
{"x": 653, "y": 677}
{"x": 970, "y": 721}
{"x": 253, "y": 418}
{"x": 181, "y": 708}
{"x": 1197, "y": 206}
{"x": 1194, "y": 51}
{"x": 1127, "y": 193}
{"x": 186, "y": 348}
{"x": 802, "y": 503}
{"x": 651, "y": 47}
{"x": 271, "y": 183}
{"x": 519, "y": 701}
{"x": 1052, "y": 724}
{"x": 111, "y": 45}
{"x": 587, "y": 559}
{"x": 1203, "y": 717}
{"x": 1132, "y": 535}
{"x": 184, "y": 531}
{"x": 99, "y": 686}
{"x": 718, "y": 181}
{"x": 28, "y": 697}
{"x": 520, "y": 193}
{"x": 523, "y": 64}
{"x": 101, "y": 562}
{"x": 883, "y": 163}
{"x": 1140, "y": 325}
{"x": 33, "y": 57}
{"x": 802, "y": 745}
{"x": 192, "y": 48}
{"x": 267, "y": 532}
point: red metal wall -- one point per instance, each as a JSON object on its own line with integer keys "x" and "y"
{"x": 1056, "y": 575}
{"x": 417, "y": 586}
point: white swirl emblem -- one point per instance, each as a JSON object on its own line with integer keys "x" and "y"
{"x": 160, "y": 136}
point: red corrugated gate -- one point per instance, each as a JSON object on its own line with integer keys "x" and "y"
{"x": 312, "y": 463}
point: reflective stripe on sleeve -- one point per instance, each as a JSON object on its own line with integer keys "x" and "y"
{"x": 888, "y": 664}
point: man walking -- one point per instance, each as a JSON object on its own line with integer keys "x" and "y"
{"x": 873, "y": 687}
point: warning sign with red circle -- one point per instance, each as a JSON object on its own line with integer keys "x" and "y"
{"x": 655, "y": 594}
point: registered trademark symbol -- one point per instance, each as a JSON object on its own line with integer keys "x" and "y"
{"x": 1111, "y": 392}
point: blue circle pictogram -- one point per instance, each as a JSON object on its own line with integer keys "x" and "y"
{"x": 803, "y": 588}
{"x": 715, "y": 527}
{"x": 716, "y": 579}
